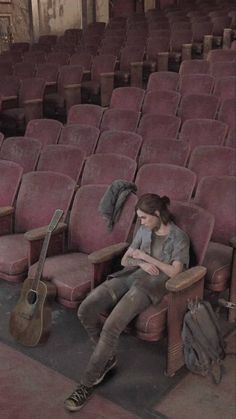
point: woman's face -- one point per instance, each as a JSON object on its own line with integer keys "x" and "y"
{"x": 153, "y": 222}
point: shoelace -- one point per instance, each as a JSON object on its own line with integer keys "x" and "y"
{"x": 79, "y": 394}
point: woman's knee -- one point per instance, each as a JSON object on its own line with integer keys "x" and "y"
{"x": 92, "y": 302}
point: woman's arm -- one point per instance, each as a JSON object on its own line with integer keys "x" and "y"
{"x": 170, "y": 270}
{"x": 129, "y": 260}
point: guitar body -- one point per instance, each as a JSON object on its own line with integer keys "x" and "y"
{"x": 30, "y": 320}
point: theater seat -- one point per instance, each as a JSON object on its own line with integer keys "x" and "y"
{"x": 22, "y": 150}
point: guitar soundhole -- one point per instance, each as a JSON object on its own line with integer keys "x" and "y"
{"x": 32, "y": 297}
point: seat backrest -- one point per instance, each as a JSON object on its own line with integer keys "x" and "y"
{"x": 88, "y": 229}
{"x": 104, "y": 63}
{"x": 213, "y": 160}
{"x": 166, "y": 179}
{"x": 88, "y": 114}
{"x": 120, "y": 142}
{"x": 62, "y": 158}
{"x": 200, "y": 29}
{"x": 196, "y": 83}
{"x": 227, "y": 112}
{"x": 83, "y": 136}
{"x": 47, "y": 131}
{"x": 34, "y": 57}
{"x": 225, "y": 87}
{"x": 58, "y": 57}
{"x": 161, "y": 102}
{"x": 83, "y": 58}
{"x": 219, "y": 24}
{"x": 158, "y": 126}
{"x": 155, "y": 45}
{"x": 163, "y": 80}
{"x": 220, "y": 69}
{"x": 120, "y": 119}
{"x": 130, "y": 98}
{"x": 198, "y": 223}
{"x": 221, "y": 55}
{"x": 24, "y": 70}
{"x": 9, "y": 86}
{"x": 10, "y": 177}
{"x": 194, "y": 67}
{"x": 216, "y": 194}
{"x": 31, "y": 88}
{"x": 104, "y": 168}
{"x": 69, "y": 75}
{"x": 130, "y": 55}
{"x": 22, "y": 150}
{"x": 164, "y": 150}
{"x": 195, "y": 105}
{"x": 47, "y": 71}
{"x": 48, "y": 39}
{"x": 6, "y": 69}
{"x": 203, "y": 132}
{"x": 36, "y": 203}
{"x": 178, "y": 38}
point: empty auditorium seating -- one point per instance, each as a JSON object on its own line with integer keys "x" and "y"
{"x": 104, "y": 168}
{"x": 22, "y": 150}
{"x": 6, "y": 69}
{"x": 198, "y": 132}
{"x": 196, "y": 83}
{"x": 102, "y": 80}
{"x": 35, "y": 206}
{"x": 59, "y": 57}
{"x": 131, "y": 67}
{"x": 220, "y": 69}
{"x": 62, "y": 158}
{"x": 73, "y": 272}
{"x": 166, "y": 179}
{"x": 130, "y": 98}
{"x": 198, "y": 106}
{"x": 83, "y": 136}
{"x": 217, "y": 195}
{"x": 10, "y": 177}
{"x": 120, "y": 142}
{"x": 164, "y": 150}
{"x": 30, "y": 106}
{"x": 34, "y": 57}
{"x": 24, "y": 70}
{"x": 227, "y": 112}
{"x": 120, "y": 119}
{"x": 163, "y": 80}
{"x": 213, "y": 160}
{"x": 225, "y": 88}
{"x": 194, "y": 67}
{"x": 88, "y": 114}
{"x": 47, "y": 131}
{"x": 158, "y": 126}
{"x": 49, "y": 72}
{"x": 221, "y": 55}
{"x": 161, "y": 102}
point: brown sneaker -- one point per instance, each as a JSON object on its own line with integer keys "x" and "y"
{"x": 78, "y": 398}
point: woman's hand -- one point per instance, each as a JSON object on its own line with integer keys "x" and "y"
{"x": 138, "y": 254}
{"x": 149, "y": 268}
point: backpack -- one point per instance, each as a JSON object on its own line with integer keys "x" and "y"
{"x": 203, "y": 343}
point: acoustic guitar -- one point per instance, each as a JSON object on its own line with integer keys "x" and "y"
{"x": 30, "y": 320}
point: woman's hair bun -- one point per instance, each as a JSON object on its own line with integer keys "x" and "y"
{"x": 165, "y": 200}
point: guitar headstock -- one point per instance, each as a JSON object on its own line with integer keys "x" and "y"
{"x": 55, "y": 220}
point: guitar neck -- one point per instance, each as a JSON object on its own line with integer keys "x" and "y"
{"x": 41, "y": 261}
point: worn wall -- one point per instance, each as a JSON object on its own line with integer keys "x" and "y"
{"x": 20, "y": 22}
{"x": 57, "y": 15}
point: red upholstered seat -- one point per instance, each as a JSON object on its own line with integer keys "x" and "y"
{"x": 130, "y": 98}
{"x": 62, "y": 158}
{"x": 131, "y": 66}
{"x": 88, "y": 114}
{"x": 47, "y": 131}
{"x": 10, "y": 177}
{"x": 164, "y": 150}
{"x": 221, "y": 55}
{"x": 163, "y": 80}
{"x": 196, "y": 83}
{"x": 24, "y": 70}
{"x": 161, "y": 102}
{"x": 35, "y": 206}
{"x": 120, "y": 119}
{"x": 198, "y": 132}
{"x": 83, "y": 136}
{"x": 225, "y": 88}
{"x": 227, "y": 112}
{"x": 195, "y": 105}
{"x": 217, "y": 195}
{"x": 22, "y": 150}
{"x": 104, "y": 168}
{"x": 166, "y": 179}
{"x": 158, "y": 126}
{"x": 194, "y": 67}
{"x": 120, "y": 142}
{"x": 73, "y": 272}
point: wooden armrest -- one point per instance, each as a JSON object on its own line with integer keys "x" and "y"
{"x": 72, "y": 86}
{"x": 107, "y": 253}
{"x": 86, "y": 71}
{"x": 4, "y": 211}
{"x": 5, "y": 98}
{"x": 233, "y": 242}
{"x": 111, "y": 74}
{"x": 185, "y": 279}
{"x": 40, "y": 232}
{"x": 28, "y": 102}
